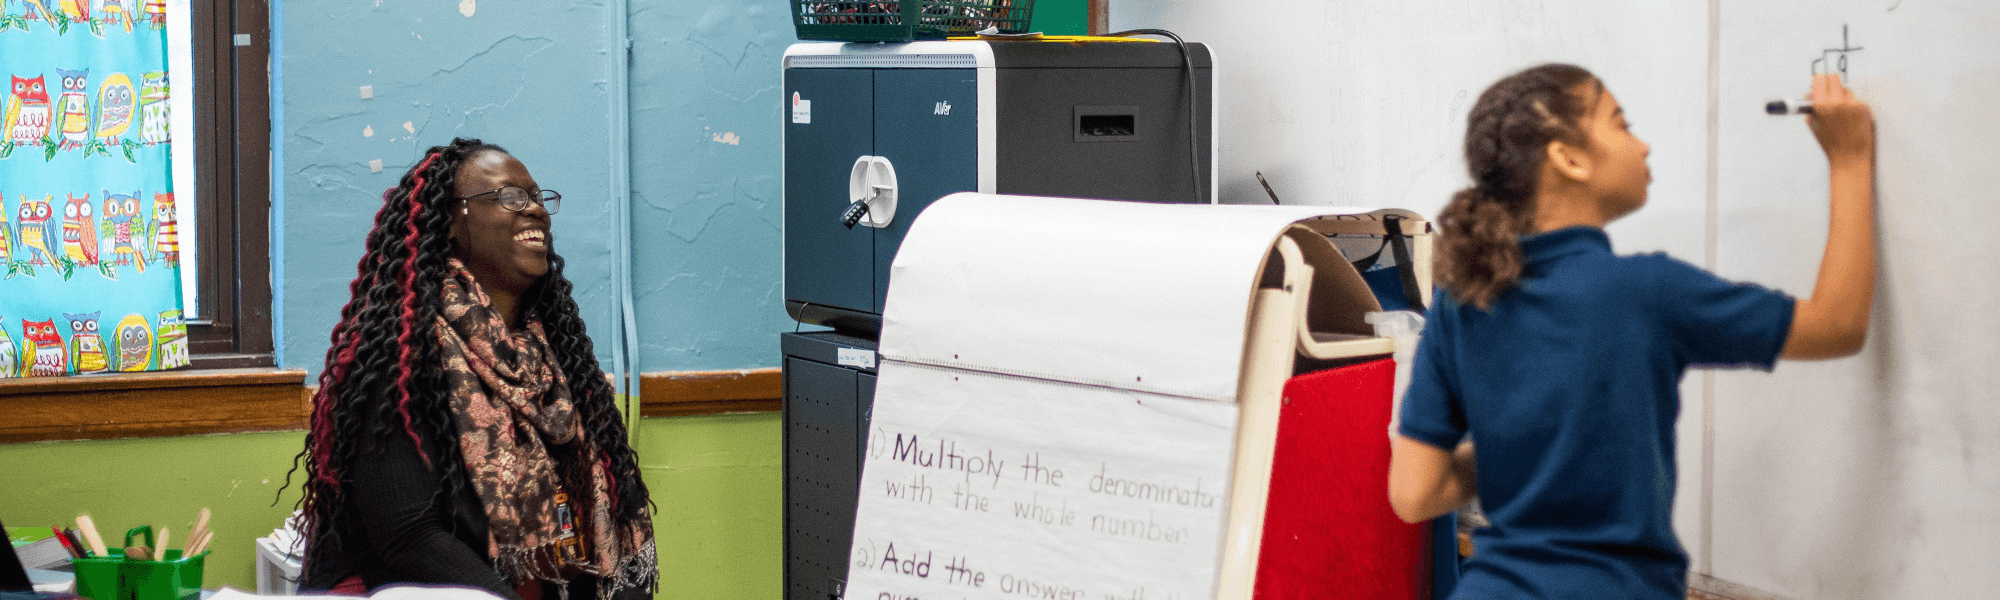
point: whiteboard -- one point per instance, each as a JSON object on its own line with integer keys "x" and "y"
{"x": 1868, "y": 477}
{"x": 1876, "y": 476}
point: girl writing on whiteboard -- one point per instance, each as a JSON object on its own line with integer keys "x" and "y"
{"x": 1563, "y": 359}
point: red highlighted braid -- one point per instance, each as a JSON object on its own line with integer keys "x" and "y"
{"x": 409, "y": 316}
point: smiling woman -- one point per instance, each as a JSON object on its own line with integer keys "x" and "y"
{"x": 462, "y": 432}
{"x": 505, "y": 243}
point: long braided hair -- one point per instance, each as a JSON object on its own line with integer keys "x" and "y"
{"x": 382, "y": 377}
{"x": 1506, "y": 143}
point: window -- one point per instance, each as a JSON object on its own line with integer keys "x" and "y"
{"x": 231, "y": 267}
{"x": 231, "y": 96}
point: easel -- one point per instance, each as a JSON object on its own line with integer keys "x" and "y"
{"x": 1148, "y": 346}
{"x": 1282, "y": 327}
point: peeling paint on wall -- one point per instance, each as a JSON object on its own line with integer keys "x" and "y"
{"x": 705, "y": 192}
{"x": 466, "y": 7}
{"x": 532, "y": 93}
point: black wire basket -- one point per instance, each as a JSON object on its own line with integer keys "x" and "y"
{"x": 907, "y": 20}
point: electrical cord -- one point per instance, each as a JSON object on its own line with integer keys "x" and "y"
{"x": 1187, "y": 72}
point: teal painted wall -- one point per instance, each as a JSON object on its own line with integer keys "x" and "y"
{"x": 704, "y": 148}
{"x": 706, "y": 206}
{"x": 716, "y": 480}
{"x": 531, "y": 77}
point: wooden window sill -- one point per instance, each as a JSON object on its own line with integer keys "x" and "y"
{"x": 688, "y": 393}
{"x": 194, "y": 402}
{"x": 159, "y": 404}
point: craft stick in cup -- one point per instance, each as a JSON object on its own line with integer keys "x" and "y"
{"x": 197, "y": 548}
{"x": 160, "y": 552}
{"x": 89, "y": 529}
{"x": 200, "y": 526}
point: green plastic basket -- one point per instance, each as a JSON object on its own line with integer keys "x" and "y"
{"x": 115, "y": 577}
{"x": 907, "y": 20}
{"x": 118, "y": 578}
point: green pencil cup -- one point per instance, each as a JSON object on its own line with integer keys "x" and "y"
{"x": 118, "y": 578}
{"x": 174, "y": 578}
{"x": 97, "y": 576}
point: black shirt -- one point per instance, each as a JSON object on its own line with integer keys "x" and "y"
{"x": 396, "y": 533}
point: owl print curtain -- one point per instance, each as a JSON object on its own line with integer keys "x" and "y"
{"x": 88, "y": 237}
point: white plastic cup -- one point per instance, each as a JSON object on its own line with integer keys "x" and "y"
{"x": 1404, "y": 329}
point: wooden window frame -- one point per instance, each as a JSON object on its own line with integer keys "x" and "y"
{"x": 232, "y": 137}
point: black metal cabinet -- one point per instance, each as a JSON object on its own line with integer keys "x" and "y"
{"x": 825, "y": 417}
{"x": 926, "y": 123}
{"x": 839, "y": 125}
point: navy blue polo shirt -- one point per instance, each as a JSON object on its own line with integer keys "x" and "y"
{"x": 1568, "y": 386}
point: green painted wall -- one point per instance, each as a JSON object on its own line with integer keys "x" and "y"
{"x": 715, "y": 478}
{"x": 160, "y": 482}
{"x": 718, "y": 482}
{"x": 1061, "y": 17}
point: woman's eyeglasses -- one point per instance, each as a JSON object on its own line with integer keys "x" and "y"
{"x": 517, "y": 199}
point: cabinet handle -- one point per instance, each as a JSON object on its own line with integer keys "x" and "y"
{"x": 871, "y": 193}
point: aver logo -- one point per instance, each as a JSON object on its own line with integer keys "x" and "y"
{"x": 942, "y": 108}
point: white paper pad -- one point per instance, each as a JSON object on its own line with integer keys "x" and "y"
{"x": 986, "y": 486}
{"x": 1148, "y": 297}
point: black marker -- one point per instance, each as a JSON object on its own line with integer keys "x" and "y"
{"x": 1267, "y": 188}
{"x": 1788, "y": 107}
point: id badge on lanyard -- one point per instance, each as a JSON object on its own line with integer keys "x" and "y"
{"x": 569, "y": 547}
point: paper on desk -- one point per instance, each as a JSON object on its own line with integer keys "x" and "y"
{"x": 54, "y": 582}
{"x": 394, "y": 592}
{"x": 230, "y": 593}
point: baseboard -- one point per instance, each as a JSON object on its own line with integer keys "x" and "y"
{"x": 1705, "y": 587}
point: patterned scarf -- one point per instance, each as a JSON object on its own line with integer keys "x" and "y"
{"x": 512, "y": 402}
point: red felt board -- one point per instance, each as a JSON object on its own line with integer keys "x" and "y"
{"x": 1328, "y": 529}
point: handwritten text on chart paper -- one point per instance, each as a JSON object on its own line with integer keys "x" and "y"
{"x": 957, "y": 571}
{"x": 1011, "y": 488}
{"x": 945, "y": 454}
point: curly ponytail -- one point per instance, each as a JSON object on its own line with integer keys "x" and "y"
{"x": 1506, "y": 141}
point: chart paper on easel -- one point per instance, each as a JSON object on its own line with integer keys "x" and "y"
{"x": 982, "y": 486}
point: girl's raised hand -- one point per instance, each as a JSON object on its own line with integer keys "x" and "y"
{"x": 1845, "y": 127}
